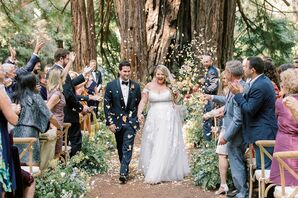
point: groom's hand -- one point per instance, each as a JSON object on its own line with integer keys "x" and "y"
{"x": 112, "y": 128}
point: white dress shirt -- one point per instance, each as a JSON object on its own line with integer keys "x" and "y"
{"x": 125, "y": 91}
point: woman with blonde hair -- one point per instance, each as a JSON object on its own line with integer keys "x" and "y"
{"x": 287, "y": 134}
{"x": 56, "y": 99}
{"x": 163, "y": 156}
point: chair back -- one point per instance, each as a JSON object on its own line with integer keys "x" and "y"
{"x": 280, "y": 156}
{"x": 28, "y": 141}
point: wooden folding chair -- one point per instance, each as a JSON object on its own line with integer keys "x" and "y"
{"x": 263, "y": 175}
{"x": 29, "y": 141}
{"x": 283, "y": 190}
{"x": 65, "y": 148}
{"x": 251, "y": 163}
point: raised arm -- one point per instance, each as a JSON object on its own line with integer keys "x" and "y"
{"x": 33, "y": 60}
{"x": 72, "y": 57}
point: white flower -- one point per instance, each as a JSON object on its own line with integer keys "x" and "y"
{"x": 62, "y": 174}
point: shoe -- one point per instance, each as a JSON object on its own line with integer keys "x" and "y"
{"x": 123, "y": 179}
{"x": 232, "y": 193}
{"x": 222, "y": 190}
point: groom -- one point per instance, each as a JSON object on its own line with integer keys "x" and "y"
{"x": 121, "y": 100}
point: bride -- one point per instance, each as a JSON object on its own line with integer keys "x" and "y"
{"x": 163, "y": 156}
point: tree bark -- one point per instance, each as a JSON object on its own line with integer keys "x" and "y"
{"x": 211, "y": 24}
{"x": 131, "y": 18}
{"x": 174, "y": 22}
{"x": 83, "y": 32}
{"x": 161, "y": 27}
{"x": 295, "y": 9}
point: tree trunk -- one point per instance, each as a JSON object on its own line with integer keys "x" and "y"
{"x": 131, "y": 18}
{"x": 83, "y": 32}
{"x": 211, "y": 24}
{"x": 174, "y": 23}
{"x": 161, "y": 27}
{"x": 295, "y": 9}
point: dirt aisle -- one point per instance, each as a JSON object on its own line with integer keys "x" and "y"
{"x": 108, "y": 186}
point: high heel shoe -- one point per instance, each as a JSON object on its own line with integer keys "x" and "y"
{"x": 222, "y": 190}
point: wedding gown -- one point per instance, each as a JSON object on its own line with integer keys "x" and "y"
{"x": 162, "y": 156}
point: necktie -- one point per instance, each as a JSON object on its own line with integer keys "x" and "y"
{"x": 125, "y": 83}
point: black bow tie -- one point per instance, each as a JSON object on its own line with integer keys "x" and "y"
{"x": 125, "y": 83}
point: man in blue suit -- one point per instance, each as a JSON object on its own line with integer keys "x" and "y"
{"x": 232, "y": 129}
{"x": 121, "y": 100}
{"x": 258, "y": 106}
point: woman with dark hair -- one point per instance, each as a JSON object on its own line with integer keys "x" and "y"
{"x": 270, "y": 72}
{"x": 35, "y": 115}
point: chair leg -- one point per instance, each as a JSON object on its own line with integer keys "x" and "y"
{"x": 268, "y": 188}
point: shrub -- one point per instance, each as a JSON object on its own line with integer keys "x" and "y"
{"x": 61, "y": 181}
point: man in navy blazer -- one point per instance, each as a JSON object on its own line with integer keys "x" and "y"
{"x": 121, "y": 100}
{"x": 257, "y": 106}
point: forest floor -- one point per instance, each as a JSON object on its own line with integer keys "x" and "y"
{"x": 107, "y": 185}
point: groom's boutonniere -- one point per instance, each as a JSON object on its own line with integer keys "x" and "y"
{"x": 132, "y": 87}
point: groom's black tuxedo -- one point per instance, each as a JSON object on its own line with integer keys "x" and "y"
{"x": 114, "y": 106}
{"x": 124, "y": 117}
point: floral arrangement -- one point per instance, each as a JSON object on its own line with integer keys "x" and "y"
{"x": 92, "y": 159}
{"x": 61, "y": 181}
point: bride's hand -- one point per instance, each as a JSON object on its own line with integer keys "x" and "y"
{"x": 141, "y": 119}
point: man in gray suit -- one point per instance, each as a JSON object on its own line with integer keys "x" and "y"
{"x": 232, "y": 128}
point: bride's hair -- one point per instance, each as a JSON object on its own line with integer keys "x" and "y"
{"x": 168, "y": 77}
{"x": 166, "y": 72}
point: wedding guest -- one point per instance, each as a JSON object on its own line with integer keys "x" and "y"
{"x": 221, "y": 150}
{"x": 73, "y": 106}
{"x": 270, "y": 72}
{"x": 35, "y": 115}
{"x": 257, "y": 107}
{"x": 231, "y": 134}
{"x": 7, "y": 114}
{"x": 210, "y": 86}
{"x": 287, "y": 135}
{"x": 162, "y": 156}
{"x": 284, "y": 67}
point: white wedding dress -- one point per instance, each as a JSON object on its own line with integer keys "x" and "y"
{"x": 162, "y": 156}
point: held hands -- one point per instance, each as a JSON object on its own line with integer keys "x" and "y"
{"x": 112, "y": 128}
{"x": 141, "y": 119}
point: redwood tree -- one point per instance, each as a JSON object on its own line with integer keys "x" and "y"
{"x": 173, "y": 22}
{"x": 83, "y": 32}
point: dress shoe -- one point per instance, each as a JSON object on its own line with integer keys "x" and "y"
{"x": 232, "y": 193}
{"x": 123, "y": 179}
